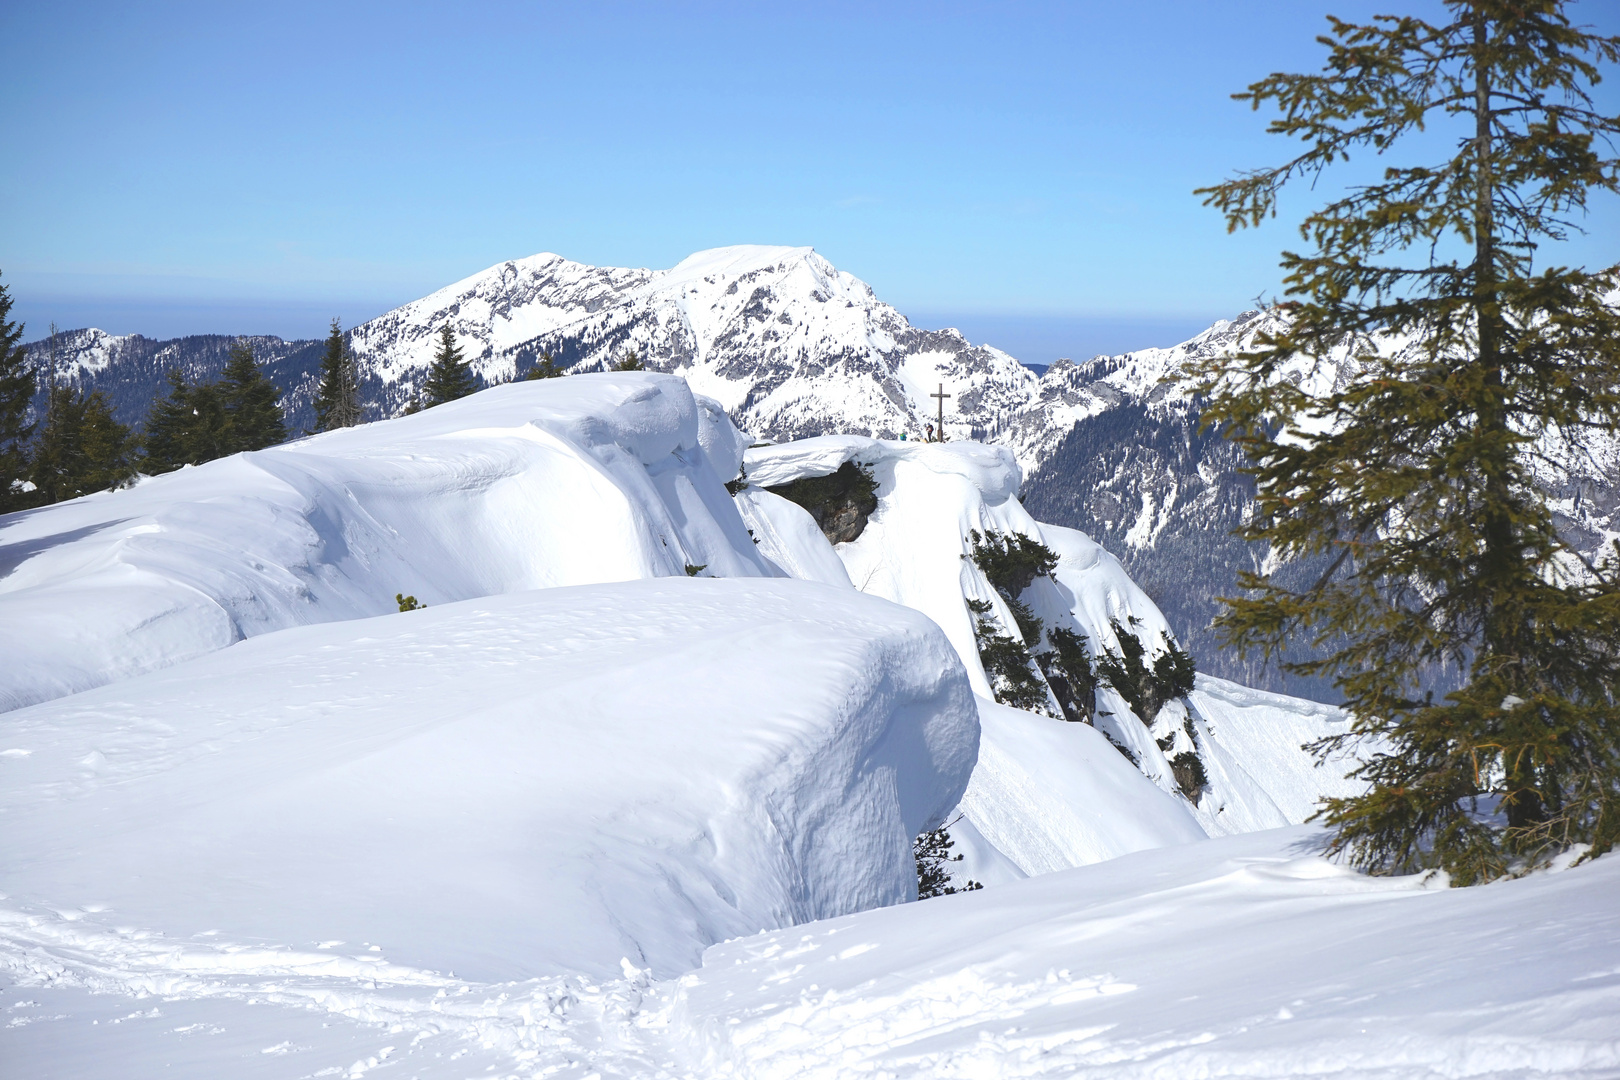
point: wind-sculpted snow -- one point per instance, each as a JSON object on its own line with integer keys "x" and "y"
{"x": 531, "y": 784}
{"x": 562, "y": 482}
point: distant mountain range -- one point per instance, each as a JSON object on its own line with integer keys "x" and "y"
{"x": 793, "y": 347}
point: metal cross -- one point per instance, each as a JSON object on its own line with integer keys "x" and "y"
{"x": 941, "y": 395}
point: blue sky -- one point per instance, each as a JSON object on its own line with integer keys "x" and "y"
{"x": 1022, "y": 170}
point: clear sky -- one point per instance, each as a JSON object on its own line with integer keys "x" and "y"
{"x": 1021, "y": 169}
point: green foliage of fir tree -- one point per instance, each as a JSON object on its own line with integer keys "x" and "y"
{"x": 631, "y": 362}
{"x": 81, "y": 448}
{"x": 1007, "y": 662}
{"x": 546, "y": 369}
{"x": 188, "y": 427}
{"x": 1416, "y": 475}
{"x": 17, "y": 385}
{"x": 1011, "y": 562}
{"x": 252, "y": 403}
{"x": 1146, "y": 687}
{"x": 449, "y": 378}
{"x": 337, "y": 399}
{"x": 1069, "y": 672}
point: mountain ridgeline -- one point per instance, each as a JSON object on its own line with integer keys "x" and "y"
{"x": 793, "y": 347}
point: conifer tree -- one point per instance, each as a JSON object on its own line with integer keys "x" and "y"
{"x": 163, "y": 436}
{"x": 337, "y": 399}
{"x": 1413, "y": 470}
{"x": 81, "y": 447}
{"x": 188, "y": 427}
{"x": 546, "y": 369}
{"x": 17, "y": 384}
{"x": 251, "y": 403}
{"x": 631, "y": 362}
{"x": 449, "y": 378}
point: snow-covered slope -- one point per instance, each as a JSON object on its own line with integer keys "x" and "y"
{"x": 563, "y": 482}
{"x": 520, "y": 785}
{"x": 1240, "y": 957}
{"x": 1036, "y": 802}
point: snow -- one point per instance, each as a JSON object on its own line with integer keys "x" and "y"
{"x": 1051, "y": 795}
{"x": 1247, "y": 956}
{"x": 790, "y": 538}
{"x": 537, "y": 783}
{"x": 587, "y": 816}
{"x": 914, "y": 551}
{"x": 556, "y": 482}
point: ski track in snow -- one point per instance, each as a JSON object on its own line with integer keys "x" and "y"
{"x": 1244, "y": 957}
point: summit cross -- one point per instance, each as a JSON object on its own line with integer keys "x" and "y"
{"x": 941, "y": 395}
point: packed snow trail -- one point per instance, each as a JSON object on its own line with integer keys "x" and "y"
{"x": 530, "y": 784}
{"x": 555, "y": 482}
{"x": 1243, "y": 956}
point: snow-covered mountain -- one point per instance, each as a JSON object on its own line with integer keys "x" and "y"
{"x": 793, "y": 347}
{"x": 790, "y": 345}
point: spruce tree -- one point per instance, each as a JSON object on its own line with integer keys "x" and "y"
{"x": 1411, "y": 464}
{"x": 251, "y": 403}
{"x": 631, "y": 362}
{"x": 164, "y": 441}
{"x": 17, "y": 383}
{"x": 188, "y": 427}
{"x": 337, "y": 399}
{"x": 81, "y": 447}
{"x": 449, "y": 378}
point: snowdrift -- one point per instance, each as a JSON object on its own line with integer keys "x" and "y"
{"x": 593, "y": 478}
{"x": 526, "y": 784}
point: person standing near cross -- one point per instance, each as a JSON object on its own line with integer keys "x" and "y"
{"x": 941, "y": 395}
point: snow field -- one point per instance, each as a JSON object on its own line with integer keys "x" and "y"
{"x": 1244, "y": 956}
{"x": 530, "y": 485}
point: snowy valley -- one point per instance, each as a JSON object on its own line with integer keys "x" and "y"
{"x": 635, "y": 794}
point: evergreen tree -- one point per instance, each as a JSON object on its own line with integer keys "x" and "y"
{"x": 163, "y": 437}
{"x": 1415, "y": 472}
{"x": 81, "y": 448}
{"x": 449, "y": 378}
{"x": 546, "y": 369}
{"x": 188, "y": 427}
{"x": 631, "y": 362}
{"x": 337, "y": 400}
{"x": 107, "y": 447}
{"x": 251, "y": 403}
{"x": 17, "y": 383}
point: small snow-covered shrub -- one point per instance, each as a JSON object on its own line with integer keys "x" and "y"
{"x": 932, "y": 850}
